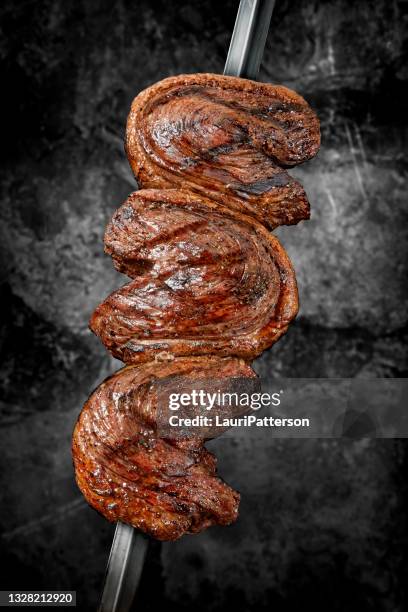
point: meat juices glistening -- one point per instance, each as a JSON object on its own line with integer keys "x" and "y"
{"x": 212, "y": 287}
{"x": 207, "y": 280}
{"x": 164, "y": 487}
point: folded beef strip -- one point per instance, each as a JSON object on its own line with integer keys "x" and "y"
{"x": 164, "y": 487}
{"x": 207, "y": 280}
{"x": 211, "y": 288}
{"x": 227, "y": 138}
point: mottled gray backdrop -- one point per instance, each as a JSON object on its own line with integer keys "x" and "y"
{"x": 323, "y": 523}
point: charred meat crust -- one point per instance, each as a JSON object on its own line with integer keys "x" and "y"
{"x": 164, "y": 487}
{"x": 227, "y": 138}
{"x": 207, "y": 280}
{"x": 211, "y": 288}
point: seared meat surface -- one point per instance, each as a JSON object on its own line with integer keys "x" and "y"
{"x": 227, "y": 138}
{"x": 164, "y": 487}
{"x": 211, "y": 287}
{"x": 206, "y": 280}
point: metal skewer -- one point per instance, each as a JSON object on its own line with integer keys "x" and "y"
{"x": 124, "y": 569}
{"x": 249, "y": 38}
{"x": 129, "y": 546}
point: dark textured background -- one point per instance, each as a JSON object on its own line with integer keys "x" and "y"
{"x": 323, "y": 523}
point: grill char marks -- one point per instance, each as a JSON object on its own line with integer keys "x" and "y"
{"x": 165, "y": 488}
{"x": 206, "y": 280}
{"x": 225, "y": 137}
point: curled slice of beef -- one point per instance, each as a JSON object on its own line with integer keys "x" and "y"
{"x": 164, "y": 487}
{"x": 227, "y": 138}
{"x": 206, "y": 281}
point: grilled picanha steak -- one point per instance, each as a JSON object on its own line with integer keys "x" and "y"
{"x": 206, "y": 280}
{"x": 164, "y": 487}
{"x": 227, "y": 138}
{"x": 211, "y": 286}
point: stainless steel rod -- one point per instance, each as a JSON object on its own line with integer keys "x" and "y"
{"x": 129, "y": 546}
{"x": 249, "y": 38}
{"x": 124, "y": 569}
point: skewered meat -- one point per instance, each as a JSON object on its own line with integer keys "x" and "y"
{"x": 207, "y": 280}
{"x": 164, "y": 487}
{"x": 210, "y": 285}
{"x": 227, "y": 138}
